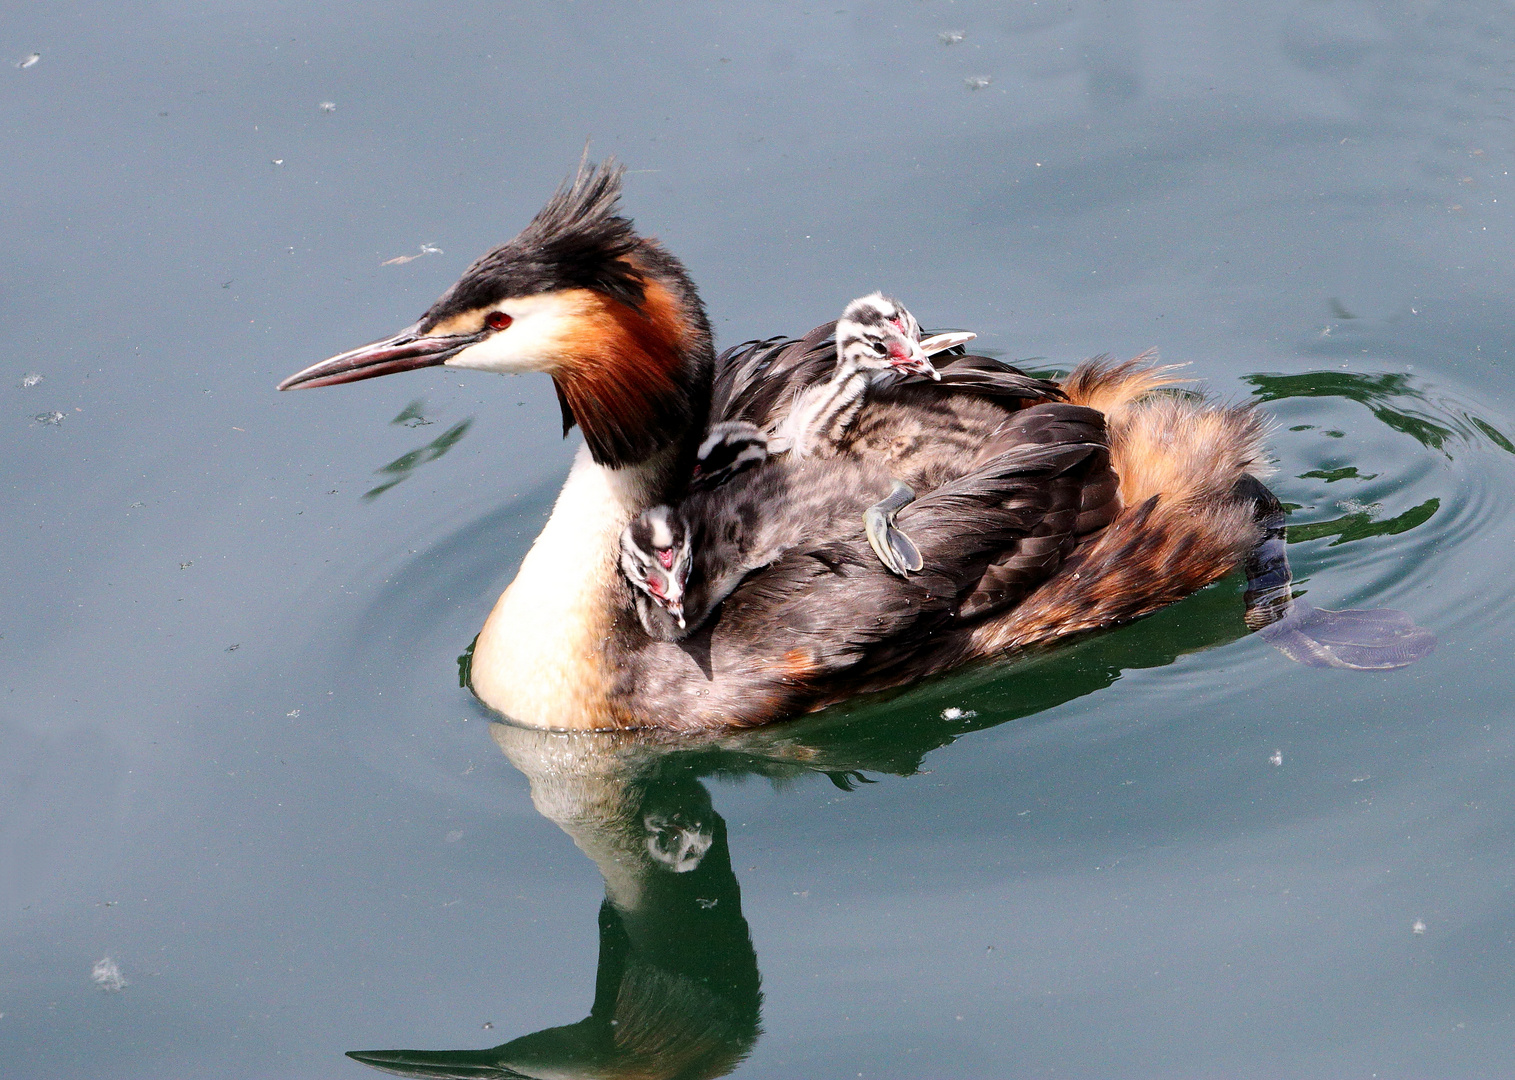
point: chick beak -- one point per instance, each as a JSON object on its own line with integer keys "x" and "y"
{"x": 906, "y": 356}
{"x": 408, "y": 349}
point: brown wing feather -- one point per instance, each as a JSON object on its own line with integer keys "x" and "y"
{"x": 1183, "y": 525}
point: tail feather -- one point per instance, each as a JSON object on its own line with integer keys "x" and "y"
{"x": 1182, "y": 525}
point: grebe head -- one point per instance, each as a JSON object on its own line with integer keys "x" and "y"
{"x": 731, "y": 447}
{"x": 878, "y": 333}
{"x": 610, "y": 315}
{"x": 656, "y": 555}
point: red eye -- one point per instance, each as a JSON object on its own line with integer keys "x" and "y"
{"x": 665, "y": 557}
{"x": 497, "y": 320}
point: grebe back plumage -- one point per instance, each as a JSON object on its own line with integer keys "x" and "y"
{"x": 1068, "y": 539}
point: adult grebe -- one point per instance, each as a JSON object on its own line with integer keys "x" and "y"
{"x": 1009, "y": 561}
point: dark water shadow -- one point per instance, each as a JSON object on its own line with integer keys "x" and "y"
{"x": 1397, "y": 400}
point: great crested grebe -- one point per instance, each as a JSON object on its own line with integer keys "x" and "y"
{"x": 877, "y": 339}
{"x": 1165, "y": 499}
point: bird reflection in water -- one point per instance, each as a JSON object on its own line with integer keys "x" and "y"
{"x": 677, "y": 989}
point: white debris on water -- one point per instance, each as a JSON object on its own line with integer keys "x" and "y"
{"x": 278, "y": 161}
{"x": 30, "y": 379}
{"x": 978, "y": 82}
{"x": 1276, "y": 758}
{"x": 951, "y": 37}
{"x": 49, "y": 419}
{"x": 328, "y": 106}
{"x": 401, "y": 260}
{"x": 454, "y": 836}
{"x": 107, "y": 976}
{"x": 952, "y": 712}
{"x": 293, "y": 712}
{"x": 1352, "y": 506}
{"x": 1418, "y": 926}
{"x": 28, "y": 60}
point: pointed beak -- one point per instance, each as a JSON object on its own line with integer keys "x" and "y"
{"x": 911, "y": 360}
{"x": 942, "y": 342}
{"x": 406, "y": 350}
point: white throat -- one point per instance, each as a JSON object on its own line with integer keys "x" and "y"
{"x": 541, "y": 657}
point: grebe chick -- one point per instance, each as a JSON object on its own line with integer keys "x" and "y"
{"x": 877, "y": 342}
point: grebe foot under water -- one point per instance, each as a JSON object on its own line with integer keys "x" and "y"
{"x": 1373, "y": 640}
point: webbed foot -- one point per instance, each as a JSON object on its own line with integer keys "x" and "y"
{"x": 1376, "y": 640}
{"x": 893, "y": 548}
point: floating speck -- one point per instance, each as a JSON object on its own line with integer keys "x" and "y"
{"x": 293, "y": 712}
{"x": 1352, "y": 506}
{"x": 705, "y": 905}
{"x": 107, "y": 976}
{"x": 234, "y": 648}
{"x": 328, "y": 106}
{"x": 136, "y": 505}
{"x": 29, "y": 380}
{"x": 278, "y": 161}
{"x": 28, "y": 60}
{"x": 1276, "y": 758}
{"x": 454, "y": 836}
{"x": 1418, "y": 926}
{"x": 952, "y": 712}
{"x": 186, "y": 565}
{"x": 951, "y": 37}
{"x": 977, "y": 82}
{"x": 488, "y": 1025}
{"x": 401, "y": 260}
{"x": 49, "y": 419}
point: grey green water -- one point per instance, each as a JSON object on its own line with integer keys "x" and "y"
{"x": 249, "y": 821}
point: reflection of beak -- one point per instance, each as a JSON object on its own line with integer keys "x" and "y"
{"x": 914, "y": 362}
{"x": 406, "y": 350}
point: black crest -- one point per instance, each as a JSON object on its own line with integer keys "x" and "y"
{"x": 579, "y": 240}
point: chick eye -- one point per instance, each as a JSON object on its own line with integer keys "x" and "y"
{"x": 497, "y": 320}
{"x": 880, "y": 348}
